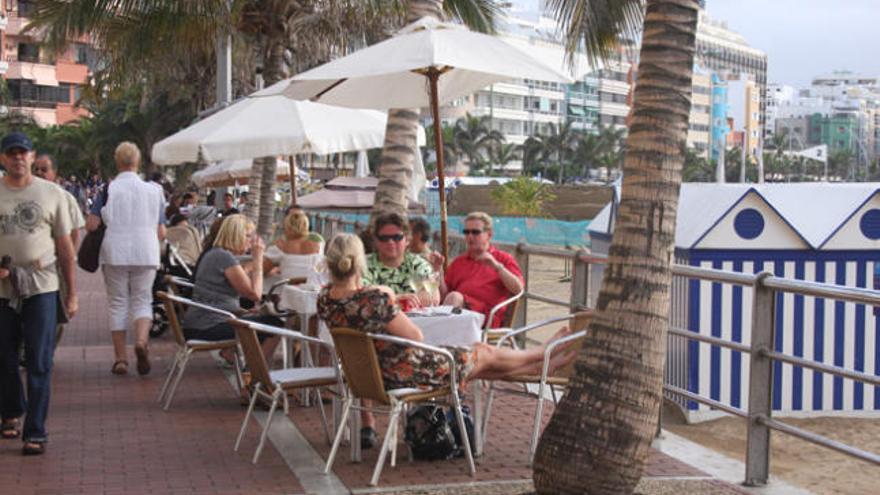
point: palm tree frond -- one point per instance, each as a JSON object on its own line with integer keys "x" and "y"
{"x": 595, "y": 25}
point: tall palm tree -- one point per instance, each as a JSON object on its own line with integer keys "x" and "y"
{"x": 536, "y": 151}
{"x": 562, "y": 139}
{"x": 474, "y": 137}
{"x": 599, "y": 435}
{"x": 501, "y": 154}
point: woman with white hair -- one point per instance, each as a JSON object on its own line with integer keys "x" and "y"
{"x": 134, "y": 214}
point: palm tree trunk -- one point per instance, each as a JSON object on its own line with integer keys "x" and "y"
{"x": 599, "y": 436}
{"x": 401, "y": 145}
{"x": 264, "y": 168}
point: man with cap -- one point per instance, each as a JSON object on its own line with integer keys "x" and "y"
{"x": 34, "y": 233}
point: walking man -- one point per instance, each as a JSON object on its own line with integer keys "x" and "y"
{"x": 34, "y": 233}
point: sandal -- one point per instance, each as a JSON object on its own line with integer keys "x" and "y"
{"x": 143, "y": 360}
{"x": 33, "y": 448}
{"x": 9, "y": 429}
{"x": 120, "y": 367}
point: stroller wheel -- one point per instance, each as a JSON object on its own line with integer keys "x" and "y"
{"x": 160, "y": 322}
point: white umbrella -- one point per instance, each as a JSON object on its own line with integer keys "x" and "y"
{"x": 269, "y": 126}
{"x": 238, "y": 171}
{"x": 427, "y": 62}
{"x": 362, "y": 168}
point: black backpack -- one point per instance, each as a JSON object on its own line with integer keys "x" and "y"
{"x": 428, "y": 434}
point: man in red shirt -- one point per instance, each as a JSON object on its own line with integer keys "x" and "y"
{"x": 483, "y": 276}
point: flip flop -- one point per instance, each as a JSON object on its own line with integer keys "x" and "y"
{"x": 143, "y": 360}
{"x": 120, "y": 367}
{"x": 9, "y": 429}
{"x": 33, "y": 448}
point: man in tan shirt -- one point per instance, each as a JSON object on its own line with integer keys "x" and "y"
{"x": 34, "y": 233}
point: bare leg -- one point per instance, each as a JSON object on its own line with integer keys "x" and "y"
{"x": 269, "y": 346}
{"x": 142, "y": 332}
{"x": 118, "y": 337}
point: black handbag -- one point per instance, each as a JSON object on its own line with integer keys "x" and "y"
{"x": 90, "y": 249}
{"x": 428, "y": 434}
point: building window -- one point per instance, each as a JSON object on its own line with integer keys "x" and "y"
{"x": 28, "y": 52}
{"x": 25, "y": 93}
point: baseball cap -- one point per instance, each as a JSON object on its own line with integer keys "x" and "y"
{"x": 16, "y": 140}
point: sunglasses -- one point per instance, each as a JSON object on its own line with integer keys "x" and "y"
{"x": 472, "y": 231}
{"x": 393, "y": 237}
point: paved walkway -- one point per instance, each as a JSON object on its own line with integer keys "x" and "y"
{"x": 108, "y": 435}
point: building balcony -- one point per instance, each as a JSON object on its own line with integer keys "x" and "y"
{"x": 41, "y": 73}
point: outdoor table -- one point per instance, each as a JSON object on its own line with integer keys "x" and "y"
{"x": 303, "y": 299}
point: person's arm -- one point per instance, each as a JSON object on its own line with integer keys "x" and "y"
{"x": 250, "y": 287}
{"x": 65, "y": 254}
{"x": 160, "y": 232}
{"x": 401, "y": 325}
{"x": 93, "y": 222}
{"x": 511, "y": 281}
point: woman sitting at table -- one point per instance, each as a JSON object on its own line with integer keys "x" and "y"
{"x": 345, "y": 302}
{"x": 295, "y": 255}
{"x": 220, "y": 281}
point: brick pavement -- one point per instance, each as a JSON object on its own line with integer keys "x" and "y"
{"x": 108, "y": 435}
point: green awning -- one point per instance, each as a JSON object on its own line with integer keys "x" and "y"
{"x": 574, "y": 110}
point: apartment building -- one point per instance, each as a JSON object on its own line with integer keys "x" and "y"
{"x": 727, "y": 53}
{"x": 39, "y": 83}
{"x": 700, "y": 122}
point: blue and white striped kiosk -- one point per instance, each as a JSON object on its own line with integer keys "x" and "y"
{"x": 813, "y": 231}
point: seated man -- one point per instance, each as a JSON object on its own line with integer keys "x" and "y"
{"x": 395, "y": 267}
{"x": 483, "y": 276}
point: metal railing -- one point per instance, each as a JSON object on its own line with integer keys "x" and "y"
{"x": 765, "y": 287}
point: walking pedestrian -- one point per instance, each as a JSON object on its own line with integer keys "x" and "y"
{"x": 34, "y": 232}
{"x": 135, "y": 218}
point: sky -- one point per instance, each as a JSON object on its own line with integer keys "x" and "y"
{"x": 806, "y": 38}
{"x": 802, "y": 38}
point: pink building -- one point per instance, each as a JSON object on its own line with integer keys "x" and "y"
{"x": 40, "y": 83}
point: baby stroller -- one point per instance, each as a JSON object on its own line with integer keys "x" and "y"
{"x": 171, "y": 265}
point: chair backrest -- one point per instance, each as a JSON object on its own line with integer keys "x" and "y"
{"x": 509, "y": 313}
{"x": 360, "y": 364}
{"x": 253, "y": 354}
{"x": 507, "y": 308}
{"x": 579, "y": 321}
{"x": 171, "y": 311}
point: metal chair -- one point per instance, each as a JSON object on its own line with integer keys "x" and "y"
{"x": 363, "y": 376}
{"x": 186, "y": 348}
{"x": 273, "y": 385}
{"x": 546, "y": 381}
{"x": 509, "y": 307}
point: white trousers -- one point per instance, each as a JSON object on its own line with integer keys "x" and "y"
{"x": 129, "y": 293}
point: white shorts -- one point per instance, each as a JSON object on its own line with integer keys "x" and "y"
{"x": 129, "y": 293}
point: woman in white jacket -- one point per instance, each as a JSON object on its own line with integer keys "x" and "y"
{"x": 133, "y": 214}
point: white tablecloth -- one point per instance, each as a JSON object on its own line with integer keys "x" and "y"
{"x": 299, "y": 299}
{"x": 461, "y": 329}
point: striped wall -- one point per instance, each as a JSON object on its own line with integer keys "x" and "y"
{"x": 827, "y": 331}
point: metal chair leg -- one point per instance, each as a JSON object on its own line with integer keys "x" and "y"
{"x": 459, "y": 417}
{"x": 323, "y": 416}
{"x": 181, "y": 369}
{"x": 246, "y": 417}
{"x": 275, "y": 397}
{"x": 487, "y": 412}
{"x": 340, "y": 430}
{"x": 539, "y": 410}
{"x": 171, "y": 369}
{"x": 383, "y": 452}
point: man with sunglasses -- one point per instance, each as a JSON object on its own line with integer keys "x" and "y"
{"x": 393, "y": 265}
{"x": 34, "y": 232}
{"x": 483, "y": 276}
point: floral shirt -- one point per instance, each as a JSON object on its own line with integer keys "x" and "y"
{"x": 370, "y": 310}
{"x": 399, "y": 279}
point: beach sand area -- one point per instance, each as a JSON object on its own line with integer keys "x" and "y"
{"x": 809, "y": 466}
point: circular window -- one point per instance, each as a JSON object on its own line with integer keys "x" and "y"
{"x": 870, "y": 224}
{"x": 749, "y": 223}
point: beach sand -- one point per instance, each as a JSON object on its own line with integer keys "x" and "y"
{"x": 815, "y": 468}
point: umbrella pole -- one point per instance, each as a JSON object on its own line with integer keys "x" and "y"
{"x": 292, "y": 179}
{"x": 433, "y": 76}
